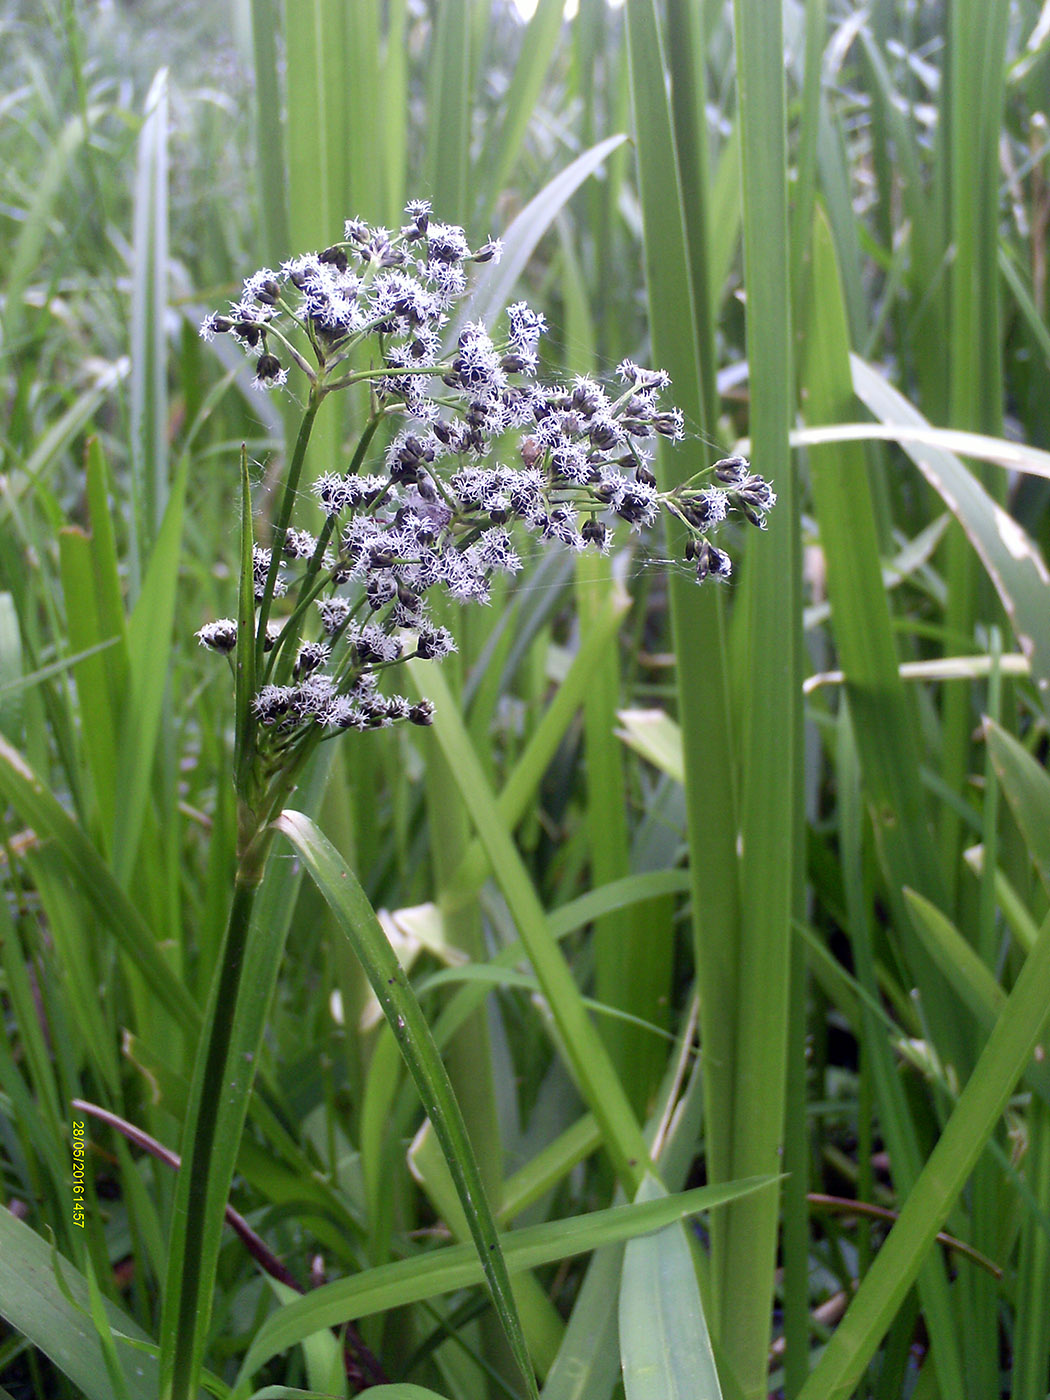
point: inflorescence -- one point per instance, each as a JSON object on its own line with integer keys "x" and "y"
{"x": 439, "y": 511}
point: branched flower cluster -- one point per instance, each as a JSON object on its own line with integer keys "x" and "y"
{"x": 437, "y": 511}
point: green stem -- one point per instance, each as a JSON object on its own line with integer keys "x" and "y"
{"x": 199, "y": 1197}
{"x": 284, "y": 514}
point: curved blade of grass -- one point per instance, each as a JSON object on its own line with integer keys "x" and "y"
{"x": 458, "y": 1266}
{"x": 657, "y": 737}
{"x": 540, "y": 1320}
{"x": 973, "y": 1120}
{"x": 399, "y": 1391}
{"x": 1012, "y": 561}
{"x": 526, "y": 982}
{"x": 495, "y": 286}
{"x": 664, "y": 1346}
{"x": 57, "y": 1318}
{"x": 1013, "y": 456}
{"x": 357, "y": 919}
{"x": 976, "y": 986}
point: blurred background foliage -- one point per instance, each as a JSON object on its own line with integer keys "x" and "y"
{"x": 843, "y": 887}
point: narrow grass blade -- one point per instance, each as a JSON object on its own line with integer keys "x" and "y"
{"x": 1012, "y": 456}
{"x": 976, "y": 986}
{"x": 458, "y": 1266}
{"x": 98, "y": 716}
{"x": 540, "y": 1320}
{"x": 244, "y": 657}
{"x": 390, "y": 985}
{"x": 709, "y": 742}
{"x": 149, "y": 298}
{"x": 11, "y": 678}
{"x": 401, "y": 1391}
{"x": 664, "y": 1346}
{"x": 24, "y": 257}
{"x": 448, "y": 108}
{"x": 47, "y": 453}
{"x": 149, "y": 652}
{"x": 882, "y": 712}
{"x": 587, "y": 1366}
{"x": 269, "y": 134}
{"x": 771, "y": 752}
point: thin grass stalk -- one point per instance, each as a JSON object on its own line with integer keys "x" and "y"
{"x": 795, "y": 1232}
{"x": 806, "y": 157}
{"x": 709, "y": 750}
{"x": 771, "y": 763}
{"x": 979, "y": 1294}
{"x": 797, "y": 1133}
{"x": 149, "y": 399}
{"x": 975, "y": 71}
{"x": 688, "y": 102}
{"x": 318, "y": 142}
{"x": 190, "y": 1280}
{"x": 202, "y": 1188}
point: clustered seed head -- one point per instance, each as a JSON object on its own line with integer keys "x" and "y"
{"x": 437, "y": 510}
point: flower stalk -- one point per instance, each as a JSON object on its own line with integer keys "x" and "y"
{"x": 477, "y": 450}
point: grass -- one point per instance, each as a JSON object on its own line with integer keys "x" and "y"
{"x": 837, "y": 893}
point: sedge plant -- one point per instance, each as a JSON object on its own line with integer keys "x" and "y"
{"x": 464, "y": 448}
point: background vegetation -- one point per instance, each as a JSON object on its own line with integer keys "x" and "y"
{"x": 801, "y": 823}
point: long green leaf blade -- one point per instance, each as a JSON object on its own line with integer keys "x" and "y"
{"x": 394, "y": 993}
{"x": 664, "y": 1345}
